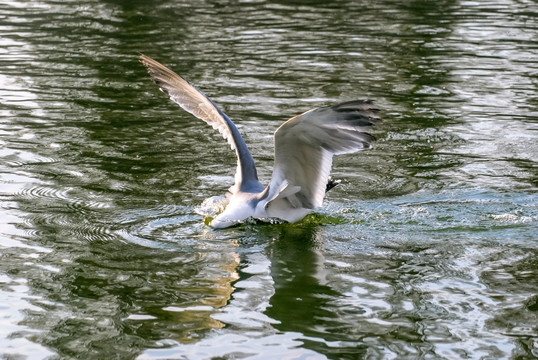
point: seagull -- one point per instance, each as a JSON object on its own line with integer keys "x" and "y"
{"x": 304, "y": 149}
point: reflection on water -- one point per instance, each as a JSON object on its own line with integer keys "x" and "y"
{"x": 427, "y": 249}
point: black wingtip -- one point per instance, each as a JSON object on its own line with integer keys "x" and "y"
{"x": 331, "y": 183}
{"x": 358, "y": 113}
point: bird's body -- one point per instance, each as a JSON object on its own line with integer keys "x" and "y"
{"x": 304, "y": 147}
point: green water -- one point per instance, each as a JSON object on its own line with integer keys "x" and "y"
{"x": 427, "y": 249}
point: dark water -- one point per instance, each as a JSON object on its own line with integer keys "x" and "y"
{"x": 428, "y": 248}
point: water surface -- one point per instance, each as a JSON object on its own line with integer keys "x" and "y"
{"x": 428, "y": 248}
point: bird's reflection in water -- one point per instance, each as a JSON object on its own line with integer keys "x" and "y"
{"x": 281, "y": 301}
{"x": 303, "y": 295}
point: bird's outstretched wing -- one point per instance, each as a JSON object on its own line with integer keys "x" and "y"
{"x": 193, "y": 100}
{"x": 305, "y": 145}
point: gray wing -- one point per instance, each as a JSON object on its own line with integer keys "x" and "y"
{"x": 191, "y": 99}
{"x": 305, "y": 145}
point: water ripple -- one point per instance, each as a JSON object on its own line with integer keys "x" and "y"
{"x": 39, "y": 191}
{"x": 427, "y": 249}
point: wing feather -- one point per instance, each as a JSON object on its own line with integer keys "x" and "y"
{"x": 193, "y": 100}
{"x": 305, "y": 145}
